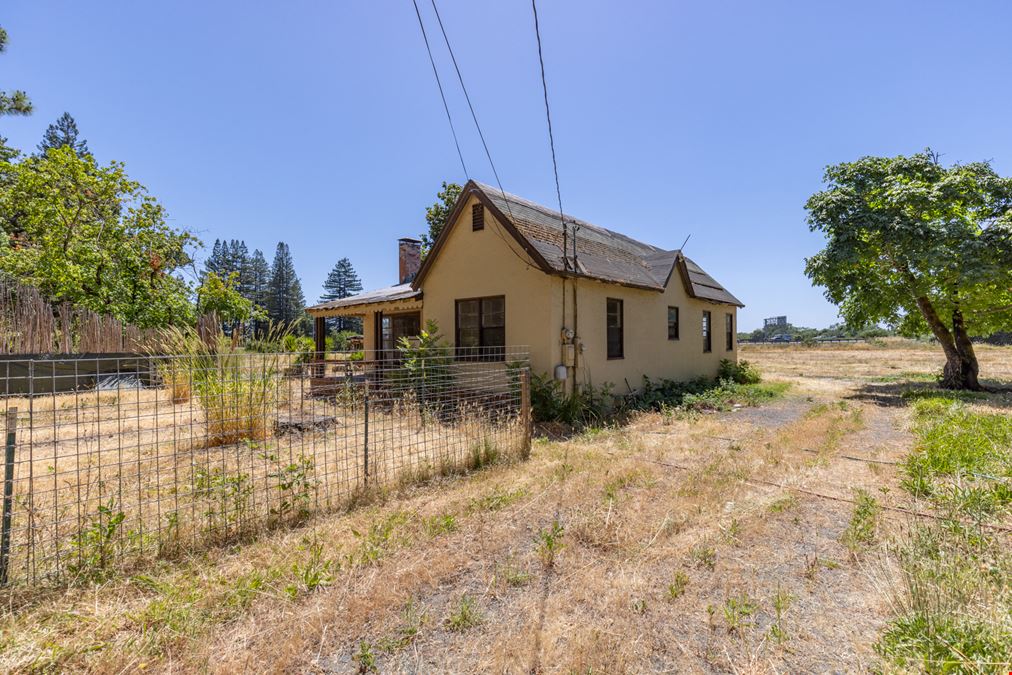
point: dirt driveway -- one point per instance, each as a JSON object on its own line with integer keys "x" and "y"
{"x": 706, "y": 544}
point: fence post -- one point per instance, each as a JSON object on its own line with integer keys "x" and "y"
{"x": 525, "y": 411}
{"x": 365, "y": 453}
{"x": 5, "y": 541}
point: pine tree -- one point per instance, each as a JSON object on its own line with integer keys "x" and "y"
{"x": 7, "y": 153}
{"x": 286, "y": 304}
{"x": 343, "y": 282}
{"x": 239, "y": 263}
{"x": 14, "y": 102}
{"x": 260, "y": 279}
{"x": 63, "y": 132}
{"x": 215, "y": 261}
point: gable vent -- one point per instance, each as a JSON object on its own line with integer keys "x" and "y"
{"x": 477, "y": 217}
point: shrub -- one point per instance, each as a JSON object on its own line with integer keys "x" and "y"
{"x": 741, "y": 372}
{"x": 702, "y": 394}
{"x": 301, "y": 345}
{"x": 425, "y": 365}
{"x": 236, "y": 391}
{"x": 586, "y": 406}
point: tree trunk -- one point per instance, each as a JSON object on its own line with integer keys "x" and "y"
{"x": 961, "y": 367}
{"x": 963, "y": 373}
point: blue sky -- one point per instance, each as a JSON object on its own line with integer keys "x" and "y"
{"x": 319, "y": 123}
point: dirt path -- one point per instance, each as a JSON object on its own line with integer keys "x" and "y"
{"x": 677, "y": 554}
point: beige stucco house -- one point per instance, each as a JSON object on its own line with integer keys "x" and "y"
{"x": 611, "y": 309}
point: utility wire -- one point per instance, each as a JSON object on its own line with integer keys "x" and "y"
{"x": 441, "y": 94}
{"x": 551, "y": 136}
{"x": 474, "y": 116}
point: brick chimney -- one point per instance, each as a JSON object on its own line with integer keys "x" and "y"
{"x": 409, "y": 259}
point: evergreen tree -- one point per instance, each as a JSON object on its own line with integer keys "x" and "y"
{"x": 286, "y": 304}
{"x": 260, "y": 279}
{"x": 15, "y": 102}
{"x": 63, "y": 133}
{"x": 343, "y": 282}
{"x": 7, "y": 153}
{"x": 241, "y": 265}
{"x": 215, "y": 262}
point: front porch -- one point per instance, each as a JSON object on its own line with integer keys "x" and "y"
{"x": 387, "y": 316}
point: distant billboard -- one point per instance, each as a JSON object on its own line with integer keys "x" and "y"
{"x": 775, "y": 322}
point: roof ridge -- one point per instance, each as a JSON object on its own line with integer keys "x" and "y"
{"x": 517, "y": 199}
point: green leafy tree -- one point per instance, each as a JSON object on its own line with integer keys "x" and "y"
{"x": 342, "y": 282}
{"x": 89, "y": 235}
{"x": 437, "y": 214}
{"x": 920, "y": 246}
{"x": 221, "y": 296}
{"x": 63, "y": 133}
{"x": 286, "y": 305}
{"x": 14, "y": 102}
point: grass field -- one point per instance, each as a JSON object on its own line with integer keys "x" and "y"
{"x": 773, "y": 538}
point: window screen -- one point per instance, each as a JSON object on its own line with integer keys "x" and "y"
{"x": 707, "y": 341}
{"x": 616, "y": 338}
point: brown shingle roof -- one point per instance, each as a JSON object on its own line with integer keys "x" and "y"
{"x": 600, "y": 253}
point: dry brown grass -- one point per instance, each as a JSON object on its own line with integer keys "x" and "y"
{"x": 889, "y": 359}
{"x": 705, "y": 505}
{"x": 186, "y": 475}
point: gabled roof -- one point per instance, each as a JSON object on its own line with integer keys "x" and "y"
{"x": 388, "y": 294}
{"x": 601, "y": 253}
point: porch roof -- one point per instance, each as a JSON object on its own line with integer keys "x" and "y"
{"x": 402, "y": 293}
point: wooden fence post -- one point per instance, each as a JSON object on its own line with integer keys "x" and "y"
{"x": 365, "y": 453}
{"x": 525, "y": 411}
{"x": 5, "y": 539}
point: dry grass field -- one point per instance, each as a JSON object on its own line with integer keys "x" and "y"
{"x": 761, "y": 540}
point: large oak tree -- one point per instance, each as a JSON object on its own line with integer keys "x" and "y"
{"x": 921, "y": 246}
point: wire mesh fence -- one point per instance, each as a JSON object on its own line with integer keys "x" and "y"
{"x": 111, "y": 461}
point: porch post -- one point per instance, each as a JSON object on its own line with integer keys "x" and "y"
{"x": 320, "y": 337}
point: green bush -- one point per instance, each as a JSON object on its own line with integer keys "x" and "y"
{"x": 589, "y": 405}
{"x": 586, "y": 406}
{"x": 425, "y": 364}
{"x": 302, "y": 345}
{"x": 741, "y": 372}
{"x": 702, "y": 394}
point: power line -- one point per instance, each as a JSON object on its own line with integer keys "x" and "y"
{"x": 441, "y": 94}
{"x": 551, "y": 136}
{"x": 474, "y": 116}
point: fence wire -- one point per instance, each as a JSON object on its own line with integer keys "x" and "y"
{"x": 111, "y": 461}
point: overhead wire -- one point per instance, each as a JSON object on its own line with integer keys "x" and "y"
{"x": 548, "y": 115}
{"x": 474, "y": 116}
{"x": 439, "y": 84}
{"x": 481, "y": 135}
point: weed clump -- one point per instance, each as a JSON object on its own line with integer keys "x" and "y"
{"x": 862, "y": 530}
{"x": 742, "y": 372}
{"x": 465, "y": 615}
